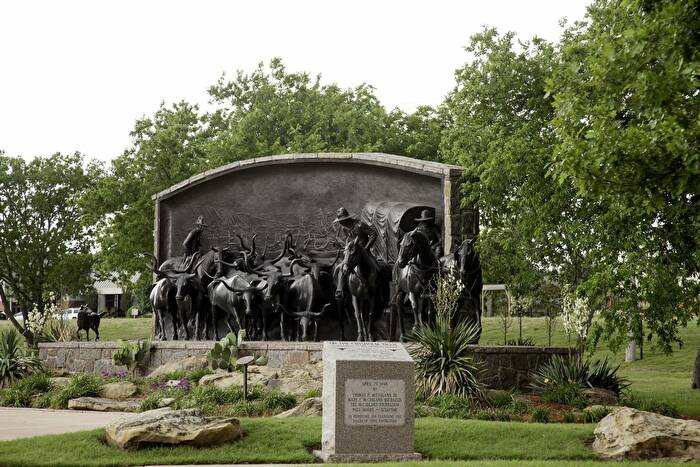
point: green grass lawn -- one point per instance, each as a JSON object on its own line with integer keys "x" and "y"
{"x": 658, "y": 376}
{"x": 442, "y": 441}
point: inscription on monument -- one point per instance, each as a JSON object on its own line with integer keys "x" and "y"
{"x": 375, "y": 402}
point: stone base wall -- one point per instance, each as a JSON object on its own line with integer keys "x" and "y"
{"x": 507, "y": 367}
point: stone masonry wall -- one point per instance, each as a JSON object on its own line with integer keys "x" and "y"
{"x": 506, "y": 366}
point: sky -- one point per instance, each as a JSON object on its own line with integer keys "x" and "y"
{"x": 75, "y": 75}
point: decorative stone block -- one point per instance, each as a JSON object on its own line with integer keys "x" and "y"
{"x": 368, "y": 402}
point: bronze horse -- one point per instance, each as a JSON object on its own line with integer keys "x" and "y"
{"x": 466, "y": 264}
{"x": 359, "y": 273}
{"x": 415, "y": 267}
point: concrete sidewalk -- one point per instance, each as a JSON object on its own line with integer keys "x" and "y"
{"x": 23, "y": 423}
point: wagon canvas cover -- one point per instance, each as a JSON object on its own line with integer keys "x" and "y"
{"x": 391, "y": 220}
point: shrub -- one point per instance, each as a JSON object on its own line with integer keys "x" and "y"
{"x": 602, "y": 375}
{"x": 278, "y": 401}
{"x": 15, "y": 397}
{"x": 630, "y": 399}
{"x": 80, "y": 385}
{"x": 595, "y": 414}
{"x": 500, "y": 398}
{"x": 569, "y": 417}
{"x": 311, "y": 393}
{"x": 522, "y": 341}
{"x": 540, "y": 415}
{"x": 567, "y": 393}
{"x": 131, "y": 354}
{"x": 561, "y": 379}
{"x": 451, "y": 406}
{"x": 518, "y": 407}
{"x": 15, "y": 363}
{"x": 151, "y": 401}
{"x": 495, "y": 415}
{"x": 444, "y": 361}
{"x": 59, "y": 330}
{"x": 225, "y": 352}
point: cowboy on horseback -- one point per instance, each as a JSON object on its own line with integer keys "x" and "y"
{"x": 354, "y": 228}
{"x": 426, "y": 226}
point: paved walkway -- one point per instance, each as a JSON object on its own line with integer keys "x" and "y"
{"x": 23, "y": 423}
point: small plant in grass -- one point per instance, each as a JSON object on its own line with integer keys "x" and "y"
{"x": 131, "y": 354}
{"x": 444, "y": 362}
{"x": 315, "y": 392}
{"x": 540, "y": 415}
{"x": 569, "y": 417}
{"x": 630, "y": 399}
{"x": 594, "y": 414}
{"x": 278, "y": 401}
{"x": 15, "y": 362}
{"x": 451, "y": 406}
{"x": 518, "y": 406}
{"x": 567, "y": 393}
{"x": 224, "y": 354}
{"x": 151, "y": 401}
{"x": 500, "y": 398}
{"x": 80, "y": 385}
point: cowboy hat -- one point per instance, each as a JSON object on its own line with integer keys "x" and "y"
{"x": 342, "y": 215}
{"x": 425, "y": 215}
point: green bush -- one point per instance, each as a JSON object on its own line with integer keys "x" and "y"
{"x": 540, "y": 415}
{"x": 444, "y": 362}
{"x": 151, "y": 401}
{"x": 567, "y": 393}
{"x": 518, "y": 407}
{"x": 277, "y": 400}
{"x": 15, "y": 362}
{"x": 562, "y": 379}
{"x": 569, "y": 417}
{"x": 602, "y": 375}
{"x": 595, "y": 414}
{"x": 80, "y": 385}
{"x": 311, "y": 393}
{"x": 501, "y": 399}
{"x": 15, "y": 397}
{"x": 496, "y": 415}
{"x": 629, "y": 399}
{"x": 450, "y": 406}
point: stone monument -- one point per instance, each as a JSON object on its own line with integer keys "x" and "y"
{"x": 368, "y": 402}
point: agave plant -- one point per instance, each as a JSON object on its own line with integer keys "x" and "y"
{"x": 444, "y": 362}
{"x": 603, "y": 375}
{"x": 560, "y": 371}
{"x": 15, "y": 362}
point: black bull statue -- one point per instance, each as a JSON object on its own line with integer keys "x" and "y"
{"x": 297, "y": 295}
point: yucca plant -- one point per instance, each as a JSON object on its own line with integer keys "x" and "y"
{"x": 444, "y": 362}
{"x": 603, "y": 375}
{"x": 559, "y": 371}
{"x": 59, "y": 330}
{"x": 15, "y": 362}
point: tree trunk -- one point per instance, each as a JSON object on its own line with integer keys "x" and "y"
{"x": 696, "y": 372}
{"x": 8, "y": 312}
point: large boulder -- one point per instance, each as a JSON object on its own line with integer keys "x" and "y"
{"x": 167, "y": 426}
{"x": 101, "y": 404}
{"x": 633, "y": 434}
{"x": 195, "y": 362}
{"x": 119, "y": 391}
{"x": 223, "y": 380}
{"x": 313, "y": 406}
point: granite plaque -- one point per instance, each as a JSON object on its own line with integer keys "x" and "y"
{"x": 368, "y": 402}
{"x": 375, "y": 402}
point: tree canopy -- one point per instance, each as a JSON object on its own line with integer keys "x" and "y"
{"x": 46, "y": 232}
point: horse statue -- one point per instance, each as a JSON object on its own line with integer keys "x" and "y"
{"x": 359, "y": 274}
{"x": 466, "y": 264}
{"x": 415, "y": 267}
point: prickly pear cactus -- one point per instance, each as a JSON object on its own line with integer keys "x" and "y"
{"x": 224, "y": 354}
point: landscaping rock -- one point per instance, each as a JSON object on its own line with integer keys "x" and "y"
{"x": 297, "y": 379}
{"x": 633, "y": 434}
{"x": 194, "y": 362}
{"x": 312, "y": 406}
{"x": 166, "y": 402}
{"x": 225, "y": 380}
{"x": 599, "y": 396}
{"x": 167, "y": 426}
{"x": 59, "y": 381}
{"x": 101, "y": 404}
{"x": 118, "y": 391}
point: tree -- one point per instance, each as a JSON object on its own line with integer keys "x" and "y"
{"x": 45, "y": 229}
{"x": 627, "y": 124}
{"x": 268, "y": 111}
{"x": 534, "y": 231}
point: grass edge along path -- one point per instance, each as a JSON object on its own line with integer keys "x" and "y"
{"x": 443, "y": 442}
